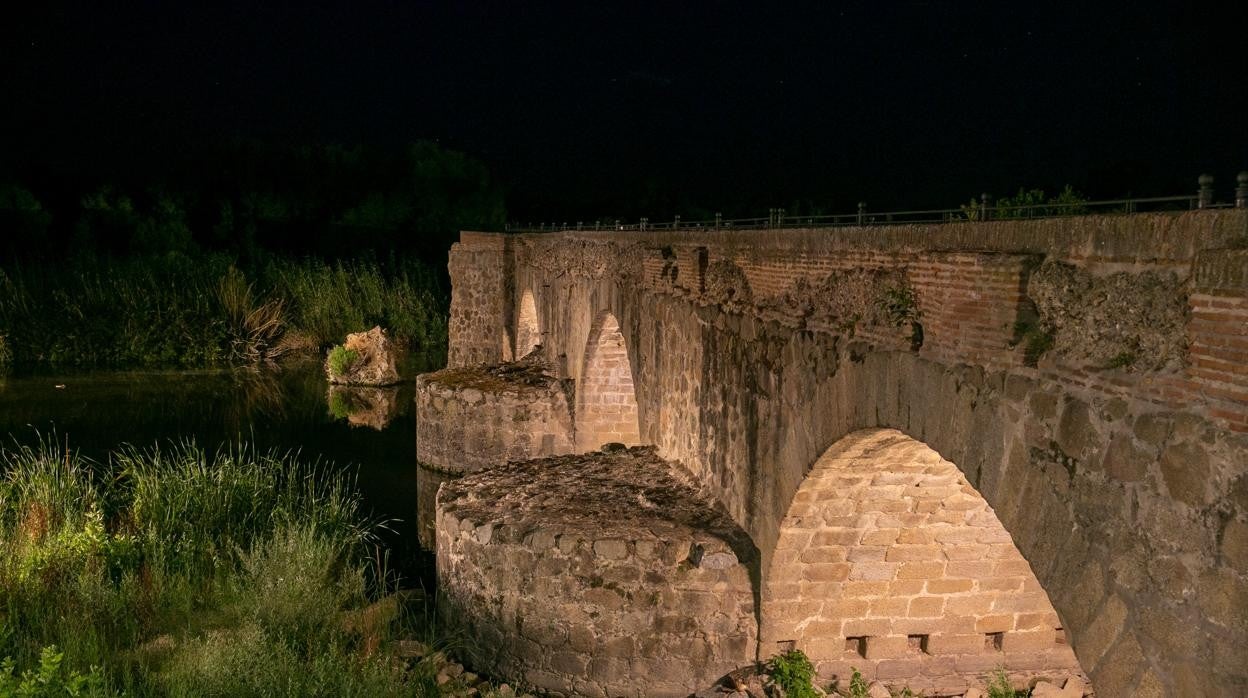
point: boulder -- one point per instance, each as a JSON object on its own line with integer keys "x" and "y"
{"x": 367, "y": 358}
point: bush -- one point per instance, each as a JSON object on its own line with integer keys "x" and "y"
{"x": 794, "y": 673}
{"x": 341, "y": 359}
{"x": 50, "y": 679}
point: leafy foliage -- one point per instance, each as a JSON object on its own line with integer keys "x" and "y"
{"x": 858, "y": 687}
{"x": 794, "y": 673}
{"x": 50, "y": 679}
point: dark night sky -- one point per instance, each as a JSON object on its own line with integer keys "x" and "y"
{"x": 582, "y": 107}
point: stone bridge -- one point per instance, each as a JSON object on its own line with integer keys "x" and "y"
{"x": 924, "y": 451}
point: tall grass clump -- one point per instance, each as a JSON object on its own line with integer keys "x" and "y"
{"x": 176, "y": 571}
{"x": 330, "y": 301}
{"x": 203, "y": 310}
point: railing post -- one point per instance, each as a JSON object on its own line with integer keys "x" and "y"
{"x": 579, "y": 224}
{"x": 779, "y": 218}
{"x": 676, "y": 223}
{"x": 1204, "y": 195}
{"x": 644, "y": 221}
{"x": 985, "y": 204}
{"x": 719, "y": 218}
{"x": 862, "y": 213}
{"x": 1241, "y": 190}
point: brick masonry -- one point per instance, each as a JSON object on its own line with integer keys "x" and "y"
{"x": 1124, "y": 490}
{"x": 606, "y": 403}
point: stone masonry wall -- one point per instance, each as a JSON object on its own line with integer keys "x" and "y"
{"x": 891, "y": 563}
{"x": 472, "y": 418}
{"x": 552, "y": 581}
{"x": 1124, "y": 490}
{"x": 479, "y": 301}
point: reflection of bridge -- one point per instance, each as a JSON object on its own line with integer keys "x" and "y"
{"x": 1085, "y": 376}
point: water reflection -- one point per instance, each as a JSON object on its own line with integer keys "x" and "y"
{"x": 374, "y": 408}
{"x": 286, "y": 408}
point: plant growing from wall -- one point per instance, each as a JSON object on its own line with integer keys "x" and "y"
{"x": 858, "y": 687}
{"x": 1000, "y": 687}
{"x": 342, "y": 359}
{"x": 1034, "y": 337}
{"x": 793, "y": 672}
{"x": 1124, "y": 359}
{"x": 900, "y": 305}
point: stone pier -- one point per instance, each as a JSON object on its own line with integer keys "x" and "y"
{"x": 1014, "y": 443}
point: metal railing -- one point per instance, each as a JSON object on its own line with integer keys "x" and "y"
{"x": 983, "y": 210}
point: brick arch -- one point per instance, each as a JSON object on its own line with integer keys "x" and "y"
{"x": 890, "y": 562}
{"x": 528, "y": 329}
{"x": 606, "y": 402}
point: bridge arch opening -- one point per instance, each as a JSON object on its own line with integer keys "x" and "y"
{"x": 606, "y": 402}
{"x": 528, "y": 331}
{"x": 890, "y": 562}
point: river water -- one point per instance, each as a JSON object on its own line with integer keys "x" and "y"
{"x": 288, "y": 408}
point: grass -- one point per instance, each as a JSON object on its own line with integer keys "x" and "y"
{"x": 1000, "y": 686}
{"x": 177, "y": 310}
{"x": 341, "y": 359}
{"x": 175, "y": 571}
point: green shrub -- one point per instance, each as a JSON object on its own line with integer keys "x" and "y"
{"x": 50, "y": 679}
{"x": 858, "y": 687}
{"x": 341, "y": 359}
{"x": 794, "y": 673}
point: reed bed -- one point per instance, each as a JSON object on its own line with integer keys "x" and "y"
{"x": 178, "y": 310}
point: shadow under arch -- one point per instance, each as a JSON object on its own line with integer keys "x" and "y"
{"x": 606, "y": 400}
{"x": 889, "y": 561}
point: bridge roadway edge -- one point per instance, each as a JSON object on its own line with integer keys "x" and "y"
{"x": 1125, "y": 492}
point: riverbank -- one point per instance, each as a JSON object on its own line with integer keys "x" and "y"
{"x": 202, "y": 310}
{"x": 178, "y": 571}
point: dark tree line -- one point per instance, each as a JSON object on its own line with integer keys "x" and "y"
{"x": 249, "y": 198}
